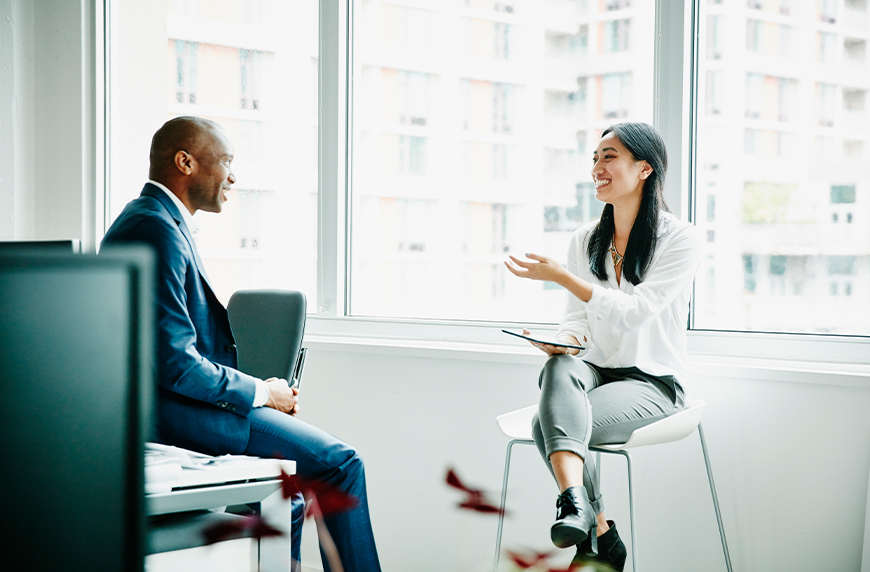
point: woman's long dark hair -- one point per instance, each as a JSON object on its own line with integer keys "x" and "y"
{"x": 645, "y": 144}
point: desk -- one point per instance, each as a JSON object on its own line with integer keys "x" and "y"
{"x": 242, "y": 481}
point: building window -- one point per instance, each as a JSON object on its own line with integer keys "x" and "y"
{"x": 768, "y": 38}
{"x": 614, "y": 35}
{"x": 565, "y": 46}
{"x": 826, "y": 95}
{"x": 615, "y": 95}
{"x": 750, "y": 264}
{"x": 853, "y": 148}
{"x": 853, "y": 99}
{"x": 488, "y": 107}
{"x": 854, "y": 49}
{"x": 502, "y": 107}
{"x": 715, "y": 24}
{"x": 827, "y": 11}
{"x": 567, "y": 219}
{"x": 827, "y": 47}
{"x": 713, "y": 92}
{"x": 185, "y": 66}
{"x": 250, "y": 64}
{"x": 501, "y": 40}
{"x": 754, "y": 95}
{"x": 411, "y": 157}
{"x": 413, "y": 98}
{"x": 842, "y": 194}
{"x": 611, "y": 5}
{"x": 487, "y": 39}
{"x": 770, "y": 98}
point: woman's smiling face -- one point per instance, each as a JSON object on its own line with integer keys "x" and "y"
{"x": 618, "y": 177}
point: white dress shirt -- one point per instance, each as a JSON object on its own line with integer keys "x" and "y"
{"x": 262, "y": 392}
{"x": 645, "y": 325}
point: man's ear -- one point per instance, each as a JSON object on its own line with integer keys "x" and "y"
{"x": 184, "y": 162}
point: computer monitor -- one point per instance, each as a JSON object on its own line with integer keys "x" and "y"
{"x": 76, "y": 364}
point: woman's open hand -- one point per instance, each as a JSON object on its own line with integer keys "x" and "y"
{"x": 552, "y": 350}
{"x": 541, "y": 268}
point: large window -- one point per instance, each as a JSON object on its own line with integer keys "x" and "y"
{"x": 473, "y": 127}
{"x": 250, "y": 65}
{"x": 782, "y": 189}
{"x": 465, "y": 133}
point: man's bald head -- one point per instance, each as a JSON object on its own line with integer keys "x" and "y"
{"x": 185, "y": 133}
{"x": 192, "y": 158}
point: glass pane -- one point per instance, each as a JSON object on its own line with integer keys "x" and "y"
{"x": 250, "y": 65}
{"x": 783, "y": 190}
{"x": 474, "y": 125}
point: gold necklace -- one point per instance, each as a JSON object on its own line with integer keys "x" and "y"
{"x": 617, "y": 257}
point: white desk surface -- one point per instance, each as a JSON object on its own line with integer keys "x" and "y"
{"x": 237, "y": 482}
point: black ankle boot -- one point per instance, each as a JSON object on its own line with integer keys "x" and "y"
{"x": 611, "y": 550}
{"x": 575, "y": 520}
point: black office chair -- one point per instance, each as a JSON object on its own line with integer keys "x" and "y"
{"x": 268, "y": 326}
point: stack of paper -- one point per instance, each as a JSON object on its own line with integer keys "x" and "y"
{"x": 168, "y": 468}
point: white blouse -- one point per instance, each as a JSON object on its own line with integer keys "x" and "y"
{"x": 645, "y": 325}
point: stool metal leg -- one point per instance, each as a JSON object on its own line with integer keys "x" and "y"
{"x": 632, "y": 517}
{"x": 504, "y": 485}
{"x": 715, "y": 498}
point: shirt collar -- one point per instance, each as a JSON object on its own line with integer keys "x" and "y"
{"x": 185, "y": 214}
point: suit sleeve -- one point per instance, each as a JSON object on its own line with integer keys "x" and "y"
{"x": 182, "y": 368}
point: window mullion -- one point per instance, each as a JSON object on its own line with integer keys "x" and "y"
{"x": 673, "y": 75}
{"x": 332, "y": 159}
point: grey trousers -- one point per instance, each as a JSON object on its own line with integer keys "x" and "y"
{"x": 582, "y": 405}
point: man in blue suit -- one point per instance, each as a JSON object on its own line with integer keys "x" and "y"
{"x": 204, "y": 402}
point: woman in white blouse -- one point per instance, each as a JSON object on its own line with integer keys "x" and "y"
{"x": 629, "y": 278}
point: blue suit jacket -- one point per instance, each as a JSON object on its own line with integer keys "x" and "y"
{"x": 202, "y": 400}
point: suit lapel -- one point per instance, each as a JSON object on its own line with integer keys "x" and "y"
{"x": 158, "y": 193}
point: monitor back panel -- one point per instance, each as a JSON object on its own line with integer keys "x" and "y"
{"x": 71, "y": 429}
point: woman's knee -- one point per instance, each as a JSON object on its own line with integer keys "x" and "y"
{"x": 561, "y": 368}
{"x": 555, "y": 366}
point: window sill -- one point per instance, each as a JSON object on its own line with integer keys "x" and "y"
{"x": 700, "y": 364}
{"x": 437, "y": 349}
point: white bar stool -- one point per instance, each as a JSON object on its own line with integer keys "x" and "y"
{"x": 518, "y": 426}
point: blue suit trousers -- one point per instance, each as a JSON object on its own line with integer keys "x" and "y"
{"x": 320, "y": 456}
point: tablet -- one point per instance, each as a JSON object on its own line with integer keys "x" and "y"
{"x": 548, "y": 342}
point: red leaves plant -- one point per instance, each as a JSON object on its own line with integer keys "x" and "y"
{"x": 526, "y": 561}
{"x": 254, "y": 526}
{"x": 330, "y": 500}
{"x": 476, "y": 499}
{"x": 540, "y": 561}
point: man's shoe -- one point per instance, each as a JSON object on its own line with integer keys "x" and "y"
{"x": 575, "y": 520}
